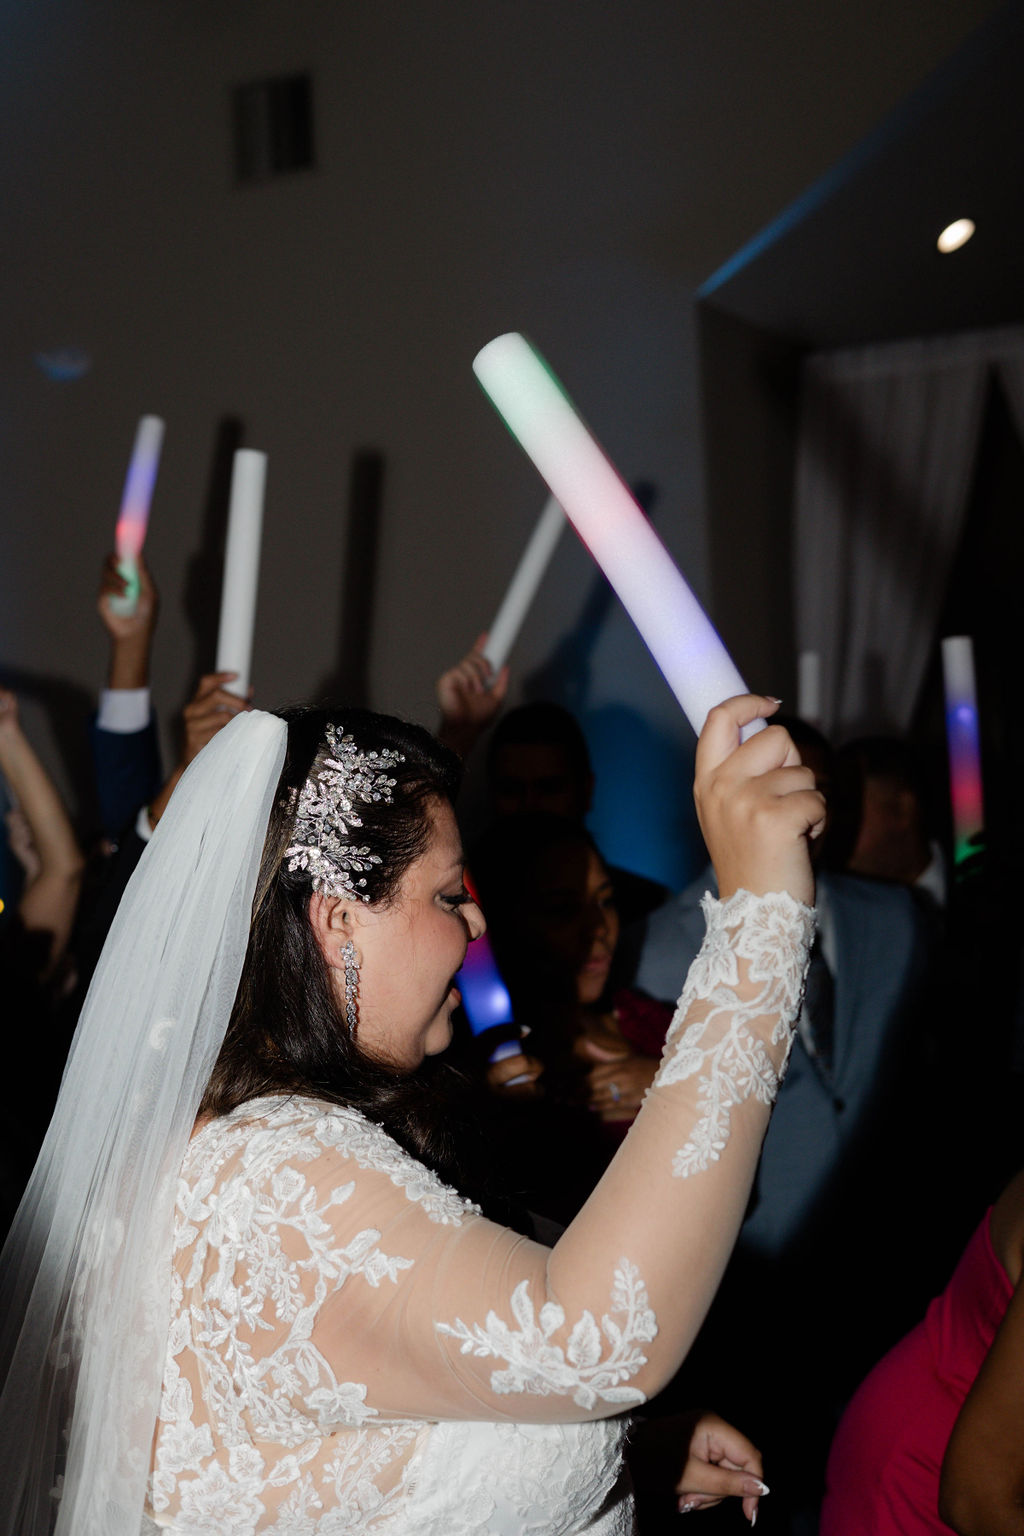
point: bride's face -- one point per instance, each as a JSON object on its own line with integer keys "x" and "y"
{"x": 411, "y": 951}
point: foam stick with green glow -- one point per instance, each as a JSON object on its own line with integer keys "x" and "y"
{"x": 522, "y": 589}
{"x": 133, "y": 518}
{"x": 964, "y": 743}
{"x": 678, "y": 633}
{"x": 241, "y": 568}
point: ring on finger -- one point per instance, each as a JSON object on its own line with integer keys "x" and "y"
{"x": 615, "y": 1091}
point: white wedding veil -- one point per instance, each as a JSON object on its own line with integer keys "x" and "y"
{"x": 86, "y": 1272}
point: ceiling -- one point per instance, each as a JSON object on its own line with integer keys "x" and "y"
{"x": 854, "y": 259}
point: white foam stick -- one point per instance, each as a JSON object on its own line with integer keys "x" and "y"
{"x": 678, "y": 633}
{"x": 808, "y": 687}
{"x": 133, "y": 518}
{"x": 522, "y": 589}
{"x": 241, "y": 567}
{"x": 963, "y": 736}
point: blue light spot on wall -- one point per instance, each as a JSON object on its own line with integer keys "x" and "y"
{"x": 64, "y": 364}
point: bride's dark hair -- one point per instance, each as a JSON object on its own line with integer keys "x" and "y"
{"x": 287, "y": 1033}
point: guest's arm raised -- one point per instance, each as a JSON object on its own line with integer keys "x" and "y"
{"x": 207, "y": 712}
{"x": 50, "y": 896}
{"x": 469, "y": 696}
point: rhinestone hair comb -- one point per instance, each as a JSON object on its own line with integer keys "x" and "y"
{"x": 327, "y": 811}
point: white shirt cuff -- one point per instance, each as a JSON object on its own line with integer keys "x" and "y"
{"x": 123, "y": 710}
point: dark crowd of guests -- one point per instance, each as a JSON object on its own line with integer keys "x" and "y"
{"x": 897, "y": 1125}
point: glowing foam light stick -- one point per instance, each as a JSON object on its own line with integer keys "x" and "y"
{"x": 241, "y": 567}
{"x": 522, "y": 589}
{"x": 133, "y": 518}
{"x": 486, "y": 1001}
{"x": 964, "y": 744}
{"x": 678, "y": 633}
{"x": 484, "y": 995}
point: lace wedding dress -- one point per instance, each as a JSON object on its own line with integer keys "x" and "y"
{"x": 354, "y": 1347}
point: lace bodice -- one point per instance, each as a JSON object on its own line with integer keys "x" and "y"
{"x": 354, "y": 1347}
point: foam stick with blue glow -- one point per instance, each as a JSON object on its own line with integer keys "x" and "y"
{"x": 133, "y": 518}
{"x": 486, "y": 1001}
{"x": 241, "y": 568}
{"x": 678, "y": 633}
{"x": 964, "y": 743}
{"x": 522, "y": 589}
{"x": 485, "y": 996}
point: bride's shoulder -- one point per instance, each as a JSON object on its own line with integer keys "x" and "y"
{"x": 254, "y": 1140}
{"x": 278, "y": 1123}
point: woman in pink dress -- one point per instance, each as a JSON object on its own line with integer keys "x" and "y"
{"x": 933, "y": 1440}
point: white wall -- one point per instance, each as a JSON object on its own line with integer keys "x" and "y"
{"x": 571, "y": 168}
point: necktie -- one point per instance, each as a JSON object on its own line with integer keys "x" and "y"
{"x": 817, "y": 1020}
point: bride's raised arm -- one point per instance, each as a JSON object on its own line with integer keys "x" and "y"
{"x": 435, "y": 1312}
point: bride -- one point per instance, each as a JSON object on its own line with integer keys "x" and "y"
{"x": 245, "y": 1225}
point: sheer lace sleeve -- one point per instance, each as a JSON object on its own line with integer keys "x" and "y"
{"x": 326, "y": 1279}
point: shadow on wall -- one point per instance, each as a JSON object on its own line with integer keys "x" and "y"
{"x": 348, "y": 681}
{"x": 643, "y": 816}
{"x": 204, "y": 573}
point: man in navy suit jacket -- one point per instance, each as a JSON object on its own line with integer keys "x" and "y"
{"x": 872, "y": 938}
{"x": 813, "y": 1294}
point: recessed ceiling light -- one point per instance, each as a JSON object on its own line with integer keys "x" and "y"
{"x": 955, "y": 235}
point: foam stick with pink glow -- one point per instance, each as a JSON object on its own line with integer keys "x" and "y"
{"x": 678, "y": 633}
{"x": 964, "y": 743}
{"x": 241, "y": 568}
{"x": 522, "y": 589}
{"x": 133, "y": 518}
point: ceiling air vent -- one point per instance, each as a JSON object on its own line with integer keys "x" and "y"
{"x": 273, "y": 127}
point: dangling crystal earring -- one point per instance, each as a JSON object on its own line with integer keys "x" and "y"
{"x": 350, "y": 961}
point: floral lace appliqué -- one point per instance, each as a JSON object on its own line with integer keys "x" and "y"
{"x": 536, "y": 1364}
{"x": 772, "y": 934}
{"x": 370, "y": 1147}
{"x": 261, "y": 1253}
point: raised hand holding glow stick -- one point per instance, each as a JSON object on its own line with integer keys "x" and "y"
{"x": 653, "y": 592}
{"x": 241, "y": 568}
{"x": 133, "y": 519}
{"x": 964, "y": 744}
{"x": 522, "y": 589}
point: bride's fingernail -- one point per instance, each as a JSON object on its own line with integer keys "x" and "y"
{"x": 755, "y": 1485}
{"x": 753, "y": 1518}
{"x": 772, "y": 699}
{"x": 686, "y": 1509}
